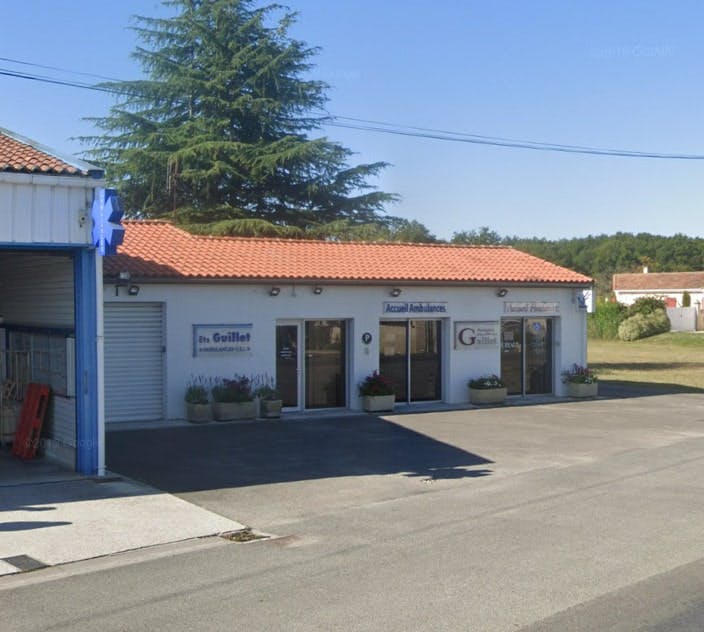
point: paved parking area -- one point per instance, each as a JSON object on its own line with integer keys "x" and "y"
{"x": 270, "y": 474}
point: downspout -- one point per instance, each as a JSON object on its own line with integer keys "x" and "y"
{"x": 100, "y": 354}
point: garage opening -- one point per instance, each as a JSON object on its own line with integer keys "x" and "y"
{"x": 38, "y": 344}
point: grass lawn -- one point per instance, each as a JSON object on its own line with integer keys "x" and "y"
{"x": 673, "y": 360}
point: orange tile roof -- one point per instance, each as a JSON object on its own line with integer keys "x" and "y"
{"x": 21, "y": 155}
{"x": 158, "y": 250}
{"x": 659, "y": 281}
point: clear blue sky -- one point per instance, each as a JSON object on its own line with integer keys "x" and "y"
{"x": 622, "y": 74}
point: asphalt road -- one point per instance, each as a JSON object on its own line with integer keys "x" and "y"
{"x": 568, "y": 516}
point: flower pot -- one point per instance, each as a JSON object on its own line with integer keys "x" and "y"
{"x": 577, "y": 389}
{"x": 270, "y": 408}
{"x": 378, "y": 403}
{"x": 198, "y": 413}
{"x": 488, "y": 395}
{"x": 229, "y": 411}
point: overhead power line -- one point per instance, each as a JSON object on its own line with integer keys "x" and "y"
{"x": 476, "y": 139}
{"x": 378, "y": 127}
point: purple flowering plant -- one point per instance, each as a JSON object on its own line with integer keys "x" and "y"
{"x": 578, "y": 374}
{"x": 235, "y": 389}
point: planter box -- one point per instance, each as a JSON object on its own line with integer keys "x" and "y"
{"x": 488, "y": 395}
{"x": 270, "y": 408}
{"x": 582, "y": 390}
{"x": 378, "y": 403}
{"x": 229, "y": 411}
{"x": 198, "y": 413}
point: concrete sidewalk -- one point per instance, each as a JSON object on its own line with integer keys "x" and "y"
{"x": 49, "y": 516}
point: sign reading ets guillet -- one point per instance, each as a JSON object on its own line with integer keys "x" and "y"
{"x": 222, "y": 339}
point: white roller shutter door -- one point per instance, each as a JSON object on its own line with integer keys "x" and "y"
{"x": 134, "y": 362}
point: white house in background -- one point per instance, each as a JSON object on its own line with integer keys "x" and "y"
{"x": 319, "y": 316}
{"x": 669, "y": 286}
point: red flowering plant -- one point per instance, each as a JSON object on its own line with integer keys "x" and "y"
{"x": 375, "y": 384}
{"x": 577, "y": 374}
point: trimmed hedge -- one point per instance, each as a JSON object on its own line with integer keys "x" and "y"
{"x": 644, "y": 325}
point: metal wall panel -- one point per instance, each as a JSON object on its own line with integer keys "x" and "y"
{"x": 134, "y": 362}
{"x": 36, "y": 289}
{"x": 45, "y": 210}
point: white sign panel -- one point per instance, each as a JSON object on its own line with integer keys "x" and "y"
{"x": 531, "y": 307}
{"x": 222, "y": 339}
{"x": 477, "y": 335}
{"x": 418, "y": 308}
{"x": 585, "y": 300}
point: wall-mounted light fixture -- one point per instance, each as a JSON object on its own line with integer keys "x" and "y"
{"x": 501, "y": 292}
{"x": 123, "y": 280}
{"x": 133, "y": 290}
{"x": 274, "y": 291}
{"x": 395, "y": 292}
{"x": 317, "y": 290}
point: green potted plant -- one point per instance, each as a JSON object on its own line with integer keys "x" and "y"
{"x": 270, "y": 400}
{"x": 233, "y": 399}
{"x": 196, "y": 398}
{"x": 581, "y": 381}
{"x": 377, "y": 393}
{"x": 487, "y": 389}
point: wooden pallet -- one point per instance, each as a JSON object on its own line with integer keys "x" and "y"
{"x": 29, "y": 428}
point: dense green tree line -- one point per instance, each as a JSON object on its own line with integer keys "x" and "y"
{"x": 600, "y": 256}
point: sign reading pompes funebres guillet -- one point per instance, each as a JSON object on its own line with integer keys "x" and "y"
{"x": 222, "y": 339}
{"x": 419, "y": 308}
{"x": 477, "y": 335}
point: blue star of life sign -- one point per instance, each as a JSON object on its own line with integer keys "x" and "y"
{"x": 106, "y": 213}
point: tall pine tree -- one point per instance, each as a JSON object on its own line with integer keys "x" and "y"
{"x": 219, "y": 130}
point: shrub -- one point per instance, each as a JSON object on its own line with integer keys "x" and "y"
{"x": 375, "y": 384}
{"x": 686, "y": 299}
{"x": 646, "y": 305}
{"x": 644, "y": 325}
{"x": 196, "y": 390}
{"x": 604, "y": 322}
{"x": 237, "y": 389}
{"x": 486, "y": 381}
{"x": 265, "y": 388}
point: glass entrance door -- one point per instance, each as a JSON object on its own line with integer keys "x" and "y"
{"x": 409, "y": 354}
{"x": 512, "y": 355}
{"x": 526, "y": 355}
{"x": 325, "y": 364}
{"x": 538, "y": 355}
{"x": 393, "y": 356}
{"x": 287, "y": 364}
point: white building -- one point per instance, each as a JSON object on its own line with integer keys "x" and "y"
{"x": 51, "y": 294}
{"x": 320, "y": 316}
{"x": 669, "y": 286}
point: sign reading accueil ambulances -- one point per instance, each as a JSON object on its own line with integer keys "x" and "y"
{"x": 222, "y": 339}
{"x": 476, "y": 335}
{"x": 407, "y": 307}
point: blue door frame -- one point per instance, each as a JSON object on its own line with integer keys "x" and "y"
{"x": 86, "y": 308}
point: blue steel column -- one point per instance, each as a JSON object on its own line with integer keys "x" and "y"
{"x": 87, "y": 435}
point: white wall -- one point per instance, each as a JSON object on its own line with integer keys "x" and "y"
{"x": 189, "y": 304}
{"x": 629, "y": 297}
{"x": 38, "y": 209}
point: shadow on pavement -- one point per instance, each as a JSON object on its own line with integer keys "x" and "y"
{"x": 217, "y": 455}
{"x": 613, "y": 389}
